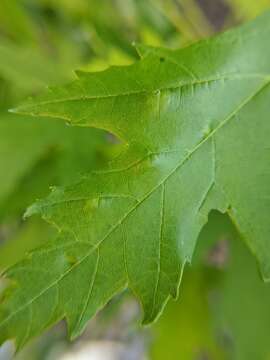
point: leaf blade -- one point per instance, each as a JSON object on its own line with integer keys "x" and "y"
{"x": 188, "y": 151}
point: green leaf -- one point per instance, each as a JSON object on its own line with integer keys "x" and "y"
{"x": 29, "y": 69}
{"x": 45, "y": 153}
{"x": 248, "y": 9}
{"x": 196, "y": 129}
{"x": 211, "y": 318}
{"x": 15, "y": 22}
{"x": 31, "y": 234}
{"x": 190, "y": 317}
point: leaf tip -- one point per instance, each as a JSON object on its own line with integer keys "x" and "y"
{"x": 31, "y": 210}
{"x": 20, "y": 110}
{"x": 141, "y": 49}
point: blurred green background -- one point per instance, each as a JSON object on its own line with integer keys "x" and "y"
{"x": 223, "y": 311}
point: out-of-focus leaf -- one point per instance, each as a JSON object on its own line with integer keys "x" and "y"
{"x": 248, "y": 9}
{"x": 15, "y": 22}
{"x": 185, "y": 330}
{"x": 28, "y": 70}
{"x": 224, "y": 310}
{"x": 36, "y": 153}
{"x": 187, "y": 17}
{"x": 32, "y": 233}
{"x": 114, "y": 57}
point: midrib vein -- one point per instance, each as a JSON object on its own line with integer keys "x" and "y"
{"x": 209, "y": 136}
{"x": 83, "y": 97}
